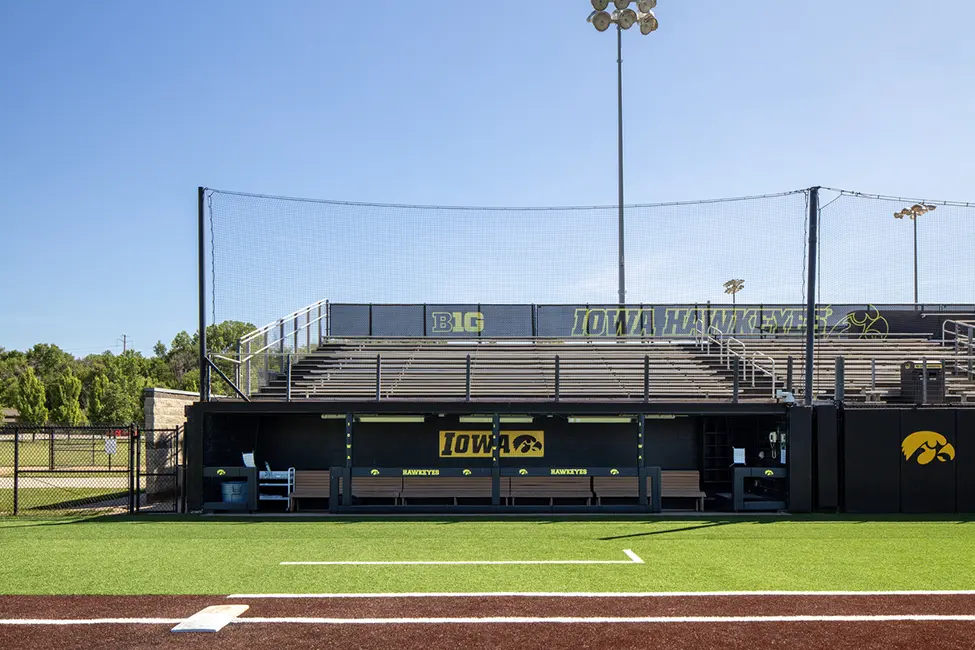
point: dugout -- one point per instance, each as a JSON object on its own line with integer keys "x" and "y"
{"x": 588, "y": 445}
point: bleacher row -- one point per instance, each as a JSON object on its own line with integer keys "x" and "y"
{"x": 657, "y": 370}
{"x": 675, "y": 484}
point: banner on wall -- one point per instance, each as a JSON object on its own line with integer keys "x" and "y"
{"x": 613, "y": 321}
{"x": 477, "y": 444}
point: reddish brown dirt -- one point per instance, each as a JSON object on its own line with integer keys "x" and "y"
{"x": 833, "y": 635}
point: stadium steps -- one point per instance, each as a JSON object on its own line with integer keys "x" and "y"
{"x": 504, "y": 370}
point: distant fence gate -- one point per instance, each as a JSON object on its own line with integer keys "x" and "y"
{"x": 81, "y": 471}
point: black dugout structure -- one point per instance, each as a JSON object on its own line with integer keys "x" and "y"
{"x": 911, "y": 460}
{"x": 605, "y": 444}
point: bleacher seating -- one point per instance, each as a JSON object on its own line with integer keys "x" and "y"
{"x": 606, "y": 370}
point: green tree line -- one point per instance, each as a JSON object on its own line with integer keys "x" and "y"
{"x": 50, "y": 386}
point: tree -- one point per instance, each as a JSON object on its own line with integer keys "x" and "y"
{"x": 31, "y": 398}
{"x": 65, "y": 405}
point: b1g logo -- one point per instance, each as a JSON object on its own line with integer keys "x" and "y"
{"x": 457, "y": 322}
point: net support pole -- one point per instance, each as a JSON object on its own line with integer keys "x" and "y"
{"x": 622, "y": 253}
{"x": 204, "y": 368}
{"x": 813, "y": 250}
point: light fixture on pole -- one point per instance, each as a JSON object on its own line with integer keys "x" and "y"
{"x": 733, "y": 287}
{"x": 623, "y": 17}
{"x": 913, "y": 213}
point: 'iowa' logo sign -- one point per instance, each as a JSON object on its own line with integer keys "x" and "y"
{"x": 926, "y": 446}
{"x": 477, "y": 444}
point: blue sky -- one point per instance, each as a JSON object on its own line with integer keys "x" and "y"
{"x": 114, "y": 112}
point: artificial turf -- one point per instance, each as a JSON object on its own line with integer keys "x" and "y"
{"x": 212, "y": 555}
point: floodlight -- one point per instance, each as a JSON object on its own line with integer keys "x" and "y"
{"x": 622, "y": 4}
{"x": 917, "y": 208}
{"x": 648, "y": 23}
{"x": 601, "y": 20}
{"x": 627, "y": 18}
{"x": 600, "y": 5}
{"x": 646, "y": 5}
{"x": 931, "y": 208}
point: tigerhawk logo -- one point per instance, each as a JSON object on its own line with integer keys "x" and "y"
{"x": 526, "y": 443}
{"x": 925, "y": 446}
{"x": 374, "y": 472}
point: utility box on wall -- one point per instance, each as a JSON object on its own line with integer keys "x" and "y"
{"x": 914, "y": 376}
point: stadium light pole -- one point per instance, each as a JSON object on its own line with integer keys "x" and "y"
{"x": 733, "y": 287}
{"x": 624, "y": 18}
{"x": 914, "y": 212}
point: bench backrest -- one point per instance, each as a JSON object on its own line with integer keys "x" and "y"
{"x": 680, "y": 482}
{"x": 549, "y": 483}
{"x": 314, "y": 481}
{"x": 377, "y": 484}
{"x": 448, "y": 483}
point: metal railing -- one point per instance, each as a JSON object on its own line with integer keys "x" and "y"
{"x": 962, "y": 341}
{"x": 730, "y": 346}
{"x": 279, "y": 340}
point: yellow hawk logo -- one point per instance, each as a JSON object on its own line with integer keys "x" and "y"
{"x": 925, "y": 446}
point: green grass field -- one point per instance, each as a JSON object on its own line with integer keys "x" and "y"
{"x": 53, "y": 498}
{"x": 74, "y": 453}
{"x": 211, "y": 555}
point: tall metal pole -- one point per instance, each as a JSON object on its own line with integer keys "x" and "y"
{"x": 619, "y": 64}
{"x": 915, "y": 259}
{"x": 204, "y": 369}
{"x": 811, "y": 287}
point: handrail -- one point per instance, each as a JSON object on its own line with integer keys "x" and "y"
{"x": 275, "y": 323}
{"x": 725, "y": 352}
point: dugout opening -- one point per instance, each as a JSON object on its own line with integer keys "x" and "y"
{"x": 551, "y": 462}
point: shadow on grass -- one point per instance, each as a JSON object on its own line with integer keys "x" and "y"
{"x": 694, "y": 522}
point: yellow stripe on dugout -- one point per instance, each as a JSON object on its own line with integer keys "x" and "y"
{"x": 477, "y": 444}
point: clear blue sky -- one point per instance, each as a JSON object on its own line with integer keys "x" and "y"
{"x": 114, "y": 112}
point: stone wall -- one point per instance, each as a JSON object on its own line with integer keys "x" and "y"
{"x": 164, "y": 412}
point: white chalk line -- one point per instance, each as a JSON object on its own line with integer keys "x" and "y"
{"x": 607, "y": 620}
{"x": 634, "y": 559}
{"x": 611, "y": 594}
{"x": 91, "y": 621}
{"x": 509, "y": 620}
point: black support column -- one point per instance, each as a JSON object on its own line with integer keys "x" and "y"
{"x": 800, "y": 459}
{"x": 496, "y": 460}
{"x": 641, "y": 462}
{"x": 347, "y": 475}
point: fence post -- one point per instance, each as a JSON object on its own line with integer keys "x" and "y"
{"x": 646, "y": 378}
{"x": 247, "y": 368}
{"x": 138, "y": 466}
{"x": 467, "y": 392}
{"x": 319, "y": 324}
{"x": 924, "y": 380}
{"x": 308, "y": 332}
{"x": 237, "y": 365}
{"x": 788, "y": 375}
{"x": 50, "y": 445}
{"x": 16, "y": 467}
{"x": 839, "y": 394}
{"x": 813, "y": 254}
{"x": 295, "y": 334}
{"x": 379, "y": 376}
{"x": 288, "y": 392}
{"x": 734, "y": 384}
{"x": 556, "y": 378}
{"x": 873, "y": 374}
{"x": 133, "y": 436}
{"x": 281, "y": 344}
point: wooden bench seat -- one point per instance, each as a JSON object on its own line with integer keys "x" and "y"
{"x": 309, "y": 484}
{"x": 673, "y": 483}
{"x": 377, "y": 487}
{"x": 683, "y": 484}
{"x": 437, "y": 487}
{"x": 551, "y": 488}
